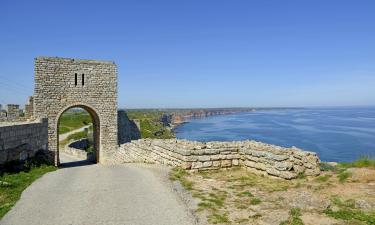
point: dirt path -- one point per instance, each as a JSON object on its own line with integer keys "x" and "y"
{"x": 65, "y": 135}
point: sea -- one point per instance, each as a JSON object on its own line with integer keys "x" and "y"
{"x": 339, "y": 134}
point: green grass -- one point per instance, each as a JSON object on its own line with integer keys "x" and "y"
{"x": 216, "y": 218}
{"x": 323, "y": 178}
{"x": 327, "y": 167}
{"x": 255, "y": 201}
{"x": 348, "y": 212}
{"x": 151, "y": 125}
{"x": 178, "y": 174}
{"x": 73, "y": 137}
{"x": 12, "y": 185}
{"x": 245, "y": 194}
{"x": 364, "y": 161}
{"x": 344, "y": 175}
{"x": 72, "y": 120}
{"x": 301, "y": 175}
{"x": 294, "y": 218}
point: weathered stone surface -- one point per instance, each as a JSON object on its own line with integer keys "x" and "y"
{"x": 226, "y": 163}
{"x": 265, "y": 158}
{"x": 283, "y": 166}
{"x": 19, "y": 141}
{"x": 61, "y": 84}
{"x": 76, "y": 149}
{"x": 196, "y": 165}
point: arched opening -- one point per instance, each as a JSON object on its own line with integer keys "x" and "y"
{"x": 78, "y": 136}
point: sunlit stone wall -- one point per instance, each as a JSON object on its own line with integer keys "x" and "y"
{"x": 268, "y": 159}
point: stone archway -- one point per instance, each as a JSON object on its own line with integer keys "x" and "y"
{"x": 96, "y": 129}
{"x": 62, "y": 83}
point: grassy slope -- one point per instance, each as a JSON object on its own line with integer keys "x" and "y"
{"x": 12, "y": 186}
{"x": 150, "y": 123}
{"x": 149, "y": 119}
{"x": 359, "y": 163}
{"x": 75, "y": 136}
{"x": 73, "y": 120}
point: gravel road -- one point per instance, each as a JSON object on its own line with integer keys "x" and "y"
{"x": 81, "y": 193}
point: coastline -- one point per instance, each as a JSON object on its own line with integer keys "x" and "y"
{"x": 317, "y": 130}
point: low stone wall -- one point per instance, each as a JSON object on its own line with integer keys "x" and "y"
{"x": 77, "y": 149}
{"x": 268, "y": 159}
{"x": 19, "y": 141}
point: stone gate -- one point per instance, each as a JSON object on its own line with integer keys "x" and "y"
{"x": 61, "y": 84}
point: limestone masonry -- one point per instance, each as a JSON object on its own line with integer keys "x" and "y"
{"x": 61, "y": 84}
{"x": 77, "y": 149}
{"x": 19, "y": 141}
{"x": 268, "y": 159}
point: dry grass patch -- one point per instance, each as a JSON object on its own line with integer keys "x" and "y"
{"x": 238, "y": 196}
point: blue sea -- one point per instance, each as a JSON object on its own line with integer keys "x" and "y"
{"x": 336, "y": 134}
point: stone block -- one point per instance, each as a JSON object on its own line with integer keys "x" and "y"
{"x": 226, "y": 163}
{"x": 207, "y": 164}
{"x": 196, "y": 165}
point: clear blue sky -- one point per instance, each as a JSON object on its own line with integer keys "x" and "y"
{"x": 201, "y": 53}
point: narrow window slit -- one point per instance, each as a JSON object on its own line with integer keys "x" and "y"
{"x": 83, "y": 79}
{"x": 75, "y": 80}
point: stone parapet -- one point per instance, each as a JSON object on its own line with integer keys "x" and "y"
{"x": 19, "y": 141}
{"x": 264, "y": 158}
{"x": 76, "y": 149}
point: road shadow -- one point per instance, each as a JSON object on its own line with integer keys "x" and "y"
{"x": 77, "y": 163}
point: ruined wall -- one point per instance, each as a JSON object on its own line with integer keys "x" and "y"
{"x": 76, "y": 149}
{"x": 62, "y": 83}
{"x": 13, "y": 112}
{"x": 19, "y": 141}
{"x": 268, "y": 159}
{"x": 29, "y": 108}
{"x": 127, "y": 129}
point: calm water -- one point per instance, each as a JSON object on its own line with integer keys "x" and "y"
{"x": 336, "y": 134}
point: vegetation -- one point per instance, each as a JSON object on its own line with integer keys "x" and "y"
{"x": 344, "y": 175}
{"x": 151, "y": 124}
{"x": 362, "y": 162}
{"x": 294, "y": 217}
{"x": 238, "y": 196}
{"x": 73, "y": 137}
{"x": 73, "y": 119}
{"x": 150, "y": 121}
{"x": 178, "y": 174}
{"x": 13, "y": 183}
{"x": 347, "y": 211}
{"x": 323, "y": 178}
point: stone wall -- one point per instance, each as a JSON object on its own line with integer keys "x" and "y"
{"x": 127, "y": 129}
{"x": 29, "y": 108}
{"x": 268, "y": 159}
{"x": 13, "y": 112}
{"x": 61, "y": 84}
{"x": 76, "y": 149}
{"x": 19, "y": 141}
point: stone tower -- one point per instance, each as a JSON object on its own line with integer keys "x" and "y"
{"x": 61, "y": 84}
